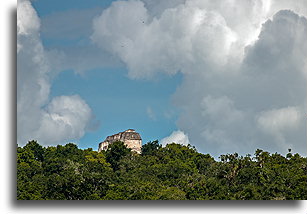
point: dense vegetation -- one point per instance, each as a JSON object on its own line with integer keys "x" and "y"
{"x": 174, "y": 172}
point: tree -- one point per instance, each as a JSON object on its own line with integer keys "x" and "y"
{"x": 150, "y": 148}
{"x": 38, "y": 150}
{"x": 173, "y": 172}
{"x": 116, "y": 151}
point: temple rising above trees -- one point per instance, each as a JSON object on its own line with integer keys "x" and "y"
{"x": 130, "y": 137}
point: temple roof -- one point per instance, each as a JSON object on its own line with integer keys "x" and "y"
{"x": 129, "y": 134}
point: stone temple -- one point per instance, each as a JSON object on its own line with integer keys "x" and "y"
{"x": 130, "y": 137}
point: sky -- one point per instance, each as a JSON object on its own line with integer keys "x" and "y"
{"x": 224, "y": 76}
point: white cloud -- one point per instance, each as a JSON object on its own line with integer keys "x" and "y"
{"x": 238, "y": 58}
{"x": 178, "y": 137}
{"x": 27, "y": 20}
{"x": 278, "y": 122}
{"x": 64, "y": 118}
{"x": 221, "y": 109}
{"x": 224, "y": 120}
{"x": 181, "y": 34}
{"x": 219, "y": 116}
{"x": 298, "y": 6}
{"x": 167, "y": 44}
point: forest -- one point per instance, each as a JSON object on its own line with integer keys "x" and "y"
{"x": 173, "y": 172}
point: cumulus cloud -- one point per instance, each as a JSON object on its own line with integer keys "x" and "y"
{"x": 243, "y": 65}
{"x": 27, "y": 20}
{"x": 167, "y": 44}
{"x": 226, "y": 112}
{"x": 51, "y": 122}
{"x": 65, "y": 118}
{"x": 178, "y": 137}
{"x": 182, "y": 36}
{"x": 279, "y": 122}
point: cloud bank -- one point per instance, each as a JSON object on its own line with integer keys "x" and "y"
{"x": 48, "y": 121}
{"x": 243, "y": 65}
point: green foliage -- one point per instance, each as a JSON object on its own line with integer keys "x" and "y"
{"x": 173, "y": 172}
{"x": 151, "y": 148}
{"x": 116, "y": 151}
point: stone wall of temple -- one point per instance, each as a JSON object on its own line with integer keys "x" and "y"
{"x": 130, "y": 137}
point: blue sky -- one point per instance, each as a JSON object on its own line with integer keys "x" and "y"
{"x": 45, "y": 7}
{"x": 224, "y": 76}
{"x": 117, "y": 102}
